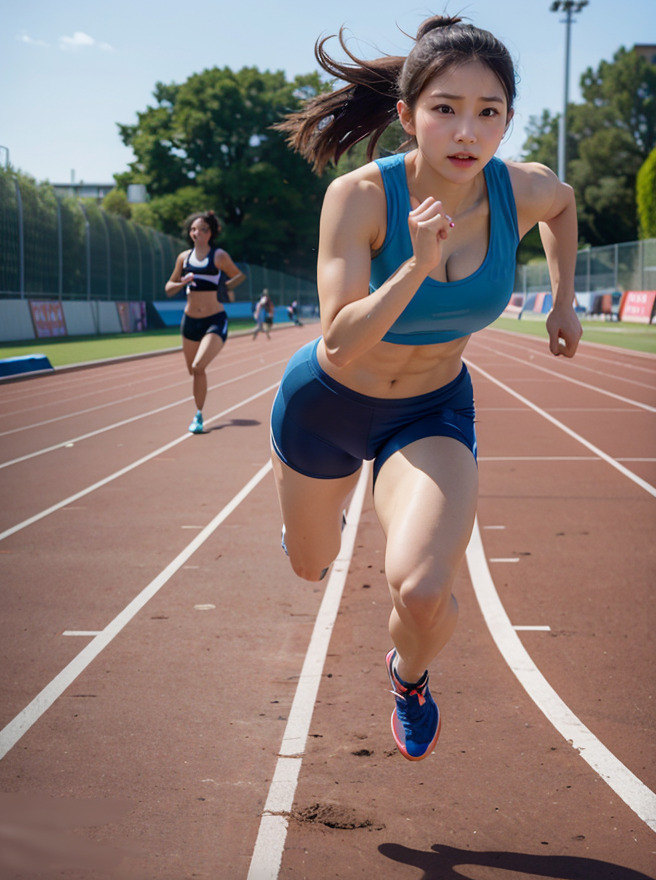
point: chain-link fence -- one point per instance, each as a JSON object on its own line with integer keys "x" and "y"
{"x": 627, "y": 266}
{"x": 283, "y": 287}
{"x": 58, "y": 246}
{"x": 54, "y": 246}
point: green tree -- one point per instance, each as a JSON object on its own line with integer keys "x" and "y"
{"x": 646, "y": 196}
{"x": 609, "y": 137}
{"x": 541, "y": 144}
{"x": 208, "y": 143}
{"x": 116, "y": 202}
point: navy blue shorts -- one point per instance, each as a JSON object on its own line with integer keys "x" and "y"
{"x": 196, "y": 328}
{"x": 324, "y": 430}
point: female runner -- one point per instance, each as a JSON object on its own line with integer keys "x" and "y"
{"x": 416, "y": 253}
{"x": 210, "y": 277}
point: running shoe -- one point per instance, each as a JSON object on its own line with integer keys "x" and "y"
{"x": 416, "y": 719}
{"x": 196, "y": 427}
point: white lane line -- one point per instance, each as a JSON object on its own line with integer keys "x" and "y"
{"x": 539, "y": 458}
{"x": 558, "y": 458}
{"x": 125, "y": 470}
{"x": 68, "y": 381}
{"x": 633, "y": 792}
{"x": 545, "y": 629}
{"x": 81, "y": 632}
{"x": 73, "y": 440}
{"x": 505, "y": 559}
{"x": 584, "y": 357}
{"x": 122, "y": 400}
{"x": 81, "y": 412}
{"x": 586, "y": 385}
{"x": 270, "y": 842}
{"x": 10, "y": 734}
{"x": 545, "y": 415}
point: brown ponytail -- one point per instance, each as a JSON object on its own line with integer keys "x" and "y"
{"x": 331, "y": 123}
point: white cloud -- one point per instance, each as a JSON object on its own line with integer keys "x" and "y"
{"x": 80, "y": 40}
{"x": 26, "y": 38}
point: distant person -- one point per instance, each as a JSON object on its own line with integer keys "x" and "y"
{"x": 292, "y": 311}
{"x": 417, "y": 252}
{"x": 210, "y": 276}
{"x": 263, "y": 315}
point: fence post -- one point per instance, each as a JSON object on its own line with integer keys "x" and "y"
{"x": 21, "y": 241}
{"x": 109, "y": 254}
{"x": 152, "y": 258}
{"x": 136, "y": 235}
{"x": 87, "y": 245}
{"x": 121, "y": 221}
{"x": 60, "y": 250}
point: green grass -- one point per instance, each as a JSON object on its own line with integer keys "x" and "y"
{"x": 81, "y": 349}
{"x": 637, "y": 337}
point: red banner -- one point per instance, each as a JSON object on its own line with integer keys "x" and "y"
{"x": 638, "y": 306}
{"x": 48, "y": 318}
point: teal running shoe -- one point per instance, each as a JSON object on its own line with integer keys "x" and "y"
{"x": 196, "y": 427}
{"x": 416, "y": 719}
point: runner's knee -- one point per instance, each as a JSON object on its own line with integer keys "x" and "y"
{"x": 308, "y": 572}
{"x": 311, "y": 565}
{"x": 425, "y": 597}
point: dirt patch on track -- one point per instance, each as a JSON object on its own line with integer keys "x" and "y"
{"x": 334, "y": 815}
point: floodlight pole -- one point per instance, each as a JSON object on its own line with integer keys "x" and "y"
{"x": 570, "y": 8}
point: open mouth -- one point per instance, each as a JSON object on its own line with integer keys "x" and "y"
{"x": 462, "y": 158}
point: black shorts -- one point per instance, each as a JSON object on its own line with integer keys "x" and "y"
{"x": 196, "y": 328}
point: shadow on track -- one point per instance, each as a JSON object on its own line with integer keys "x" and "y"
{"x": 233, "y": 423}
{"x": 443, "y": 861}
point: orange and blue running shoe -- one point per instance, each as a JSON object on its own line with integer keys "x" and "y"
{"x": 416, "y": 719}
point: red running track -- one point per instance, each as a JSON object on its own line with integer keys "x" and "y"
{"x": 176, "y": 704}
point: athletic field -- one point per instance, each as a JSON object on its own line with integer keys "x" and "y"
{"x": 176, "y": 704}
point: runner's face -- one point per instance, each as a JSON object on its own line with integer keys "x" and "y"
{"x": 459, "y": 120}
{"x": 199, "y": 232}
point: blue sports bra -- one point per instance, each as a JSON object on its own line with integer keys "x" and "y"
{"x": 441, "y": 311}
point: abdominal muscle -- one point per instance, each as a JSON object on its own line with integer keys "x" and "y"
{"x": 202, "y": 304}
{"x": 395, "y": 371}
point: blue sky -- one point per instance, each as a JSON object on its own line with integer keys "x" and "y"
{"x": 71, "y": 71}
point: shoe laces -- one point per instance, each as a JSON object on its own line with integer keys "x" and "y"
{"x": 418, "y": 691}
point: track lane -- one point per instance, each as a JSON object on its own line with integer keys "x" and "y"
{"x": 462, "y": 808}
{"x": 252, "y": 565}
